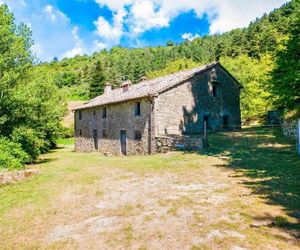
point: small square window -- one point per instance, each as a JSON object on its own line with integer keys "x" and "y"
{"x": 104, "y": 114}
{"x": 137, "y": 109}
{"x": 104, "y": 133}
{"x": 137, "y": 135}
{"x": 79, "y": 115}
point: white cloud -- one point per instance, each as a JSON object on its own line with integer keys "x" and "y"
{"x": 78, "y": 49}
{"x": 189, "y": 36}
{"x": 114, "y": 5}
{"x": 143, "y": 15}
{"x": 147, "y": 15}
{"x": 99, "y": 45}
{"x": 37, "y": 49}
{"x": 54, "y": 14}
{"x": 111, "y": 32}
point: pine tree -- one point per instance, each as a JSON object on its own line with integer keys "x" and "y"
{"x": 96, "y": 80}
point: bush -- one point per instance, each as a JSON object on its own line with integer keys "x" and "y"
{"x": 12, "y": 156}
{"x": 31, "y": 141}
{"x": 67, "y": 133}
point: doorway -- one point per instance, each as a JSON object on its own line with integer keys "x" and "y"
{"x": 123, "y": 141}
{"x": 225, "y": 122}
{"x": 95, "y": 137}
{"x": 206, "y": 121}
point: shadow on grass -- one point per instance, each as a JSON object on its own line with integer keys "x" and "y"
{"x": 272, "y": 163}
{"x": 44, "y": 160}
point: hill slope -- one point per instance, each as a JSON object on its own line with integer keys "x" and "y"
{"x": 248, "y": 53}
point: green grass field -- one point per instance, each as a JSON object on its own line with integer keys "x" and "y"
{"x": 242, "y": 192}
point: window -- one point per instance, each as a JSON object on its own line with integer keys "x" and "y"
{"x": 104, "y": 115}
{"x": 137, "y": 135}
{"x": 80, "y": 132}
{"x": 94, "y": 112}
{"x": 137, "y": 109}
{"x": 79, "y": 115}
{"x": 104, "y": 133}
{"x": 214, "y": 92}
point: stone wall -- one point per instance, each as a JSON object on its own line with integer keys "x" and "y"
{"x": 170, "y": 143}
{"x": 289, "y": 128}
{"x": 181, "y": 110}
{"x": 14, "y": 176}
{"x": 177, "y": 111}
{"x": 119, "y": 117}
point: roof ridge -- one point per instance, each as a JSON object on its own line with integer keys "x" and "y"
{"x": 145, "y": 88}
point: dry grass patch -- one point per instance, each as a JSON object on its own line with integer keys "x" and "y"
{"x": 177, "y": 200}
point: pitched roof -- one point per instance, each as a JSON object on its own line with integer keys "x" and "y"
{"x": 145, "y": 88}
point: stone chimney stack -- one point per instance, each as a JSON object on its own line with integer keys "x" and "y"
{"x": 107, "y": 88}
{"x": 126, "y": 85}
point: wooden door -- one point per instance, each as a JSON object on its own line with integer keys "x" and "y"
{"x": 95, "y": 137}
{"x": 123, "y": 141}
{"x": 225, "y": 122}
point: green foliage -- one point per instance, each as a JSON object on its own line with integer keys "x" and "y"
{"x": 254, "y": 76}
{"x": 84, "y": 77}
{"x": 285, "y": 82}
{"x": 31, "y": 142}
{"x": 67, "y": 133}
{"x": 31, "y": 104}
{"x": 12, "y": 155}
{"x": 172, "y": 67}
{"x": 65, "y": 79}
{"x": 96, "y": 80}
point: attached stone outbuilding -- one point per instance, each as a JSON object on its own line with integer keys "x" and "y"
{"x": 133, "y": 118}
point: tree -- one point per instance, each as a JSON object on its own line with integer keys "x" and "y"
{"x": 31, "y": 105}
{"x": 285, "y": 84}
{"x": 170, "y": 43}
{"x": 254, "y": 76}
{"x": 96, "y": 80}
{"x": 15, "y": 60}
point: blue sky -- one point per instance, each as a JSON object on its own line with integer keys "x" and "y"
{"x": 65, "y": 28}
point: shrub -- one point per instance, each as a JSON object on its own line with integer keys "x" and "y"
{"x": 31, "y": 141}
{"x": 67, "y": 133}
{"x": 12, "y": 156}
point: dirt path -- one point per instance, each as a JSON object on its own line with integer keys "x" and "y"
{"x": 202, "y": 208}
{"x": 171, "y": 201}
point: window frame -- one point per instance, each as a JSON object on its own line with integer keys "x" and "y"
{"x": 104, "y": 113}
{"x": 138, "y": 135}
{"x": 137, "y": 109}
{"x": 214, "y": 91}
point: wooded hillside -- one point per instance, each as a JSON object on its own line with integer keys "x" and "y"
{"x": 249, "y": 53}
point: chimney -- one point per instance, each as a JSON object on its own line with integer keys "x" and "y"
{"x": 143, "y": 78}
{"x": 126, "y": 85}
{"x": 107, "y": 88}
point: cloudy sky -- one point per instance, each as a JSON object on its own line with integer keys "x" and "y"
{"x": 65, "y": 28}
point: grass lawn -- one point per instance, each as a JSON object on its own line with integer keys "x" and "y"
{"x": 241, "y": 193}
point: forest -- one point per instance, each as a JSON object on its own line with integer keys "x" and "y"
{"x": 264, "y": 57}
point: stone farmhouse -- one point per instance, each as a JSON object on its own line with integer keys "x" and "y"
{"x": 133, "y": 119}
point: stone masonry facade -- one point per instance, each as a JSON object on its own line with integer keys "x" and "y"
{"x": 118, "y": 117}
{"x": 212, "y": 95}
{"x": 182, "y": 109}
